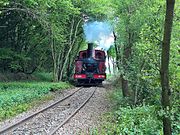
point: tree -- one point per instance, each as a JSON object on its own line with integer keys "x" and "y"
{"x": 20, "y": 38}
{"x": 129, "y": 23}
{"x": 164, "y": 72}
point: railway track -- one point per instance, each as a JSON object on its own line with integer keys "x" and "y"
{"x": 53, "y": 131}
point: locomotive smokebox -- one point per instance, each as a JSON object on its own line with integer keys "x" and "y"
{"x": 90, "y": 50}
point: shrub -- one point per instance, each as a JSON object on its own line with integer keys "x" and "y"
{"x": 16, "y": 97}
{"x": 141, "y": 120}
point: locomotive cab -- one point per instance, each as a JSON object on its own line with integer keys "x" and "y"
{"x": 90, "y": 67}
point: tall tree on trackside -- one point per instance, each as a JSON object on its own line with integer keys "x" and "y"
{"x": 127, "y": 36}
{"x": 164, "y": 72}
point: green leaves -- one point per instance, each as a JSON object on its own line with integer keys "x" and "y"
{"x": 16, "y": 97}
{"x": 4, "y": 3}
{"x": 133, "y": 120}
{"x": 6, "y": 53}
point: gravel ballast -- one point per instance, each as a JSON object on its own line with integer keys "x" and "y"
{"x": 88, "y": 118}
{"x": 83, "y": 122}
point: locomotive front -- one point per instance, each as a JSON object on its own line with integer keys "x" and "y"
{"x": 90, "y": 66}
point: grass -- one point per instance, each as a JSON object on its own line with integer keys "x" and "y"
{"x": 17, "y": 97}
{"x": 43, "y": 76}
{"x": 125, "y": 119}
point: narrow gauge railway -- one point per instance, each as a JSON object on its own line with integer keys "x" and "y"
{"x": 19, "y": 127}
{"x": 90, "y": 67}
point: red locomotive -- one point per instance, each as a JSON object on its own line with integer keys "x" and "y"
{"x": 90, "y": 66}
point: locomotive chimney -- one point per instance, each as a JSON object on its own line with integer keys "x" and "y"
{"x": 90, "y": 50}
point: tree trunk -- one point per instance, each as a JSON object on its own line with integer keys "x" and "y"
{"x": 126, "y": 55}
{"x": 55, "y": 77}
{"x": 114, "y": 66}
{"x": 72, "y": 40}
{"x": 164, "y": 72}
{"x": 72, "y": 58}
{"x": 125, "y": 90}
{"x": 116, "y": 50}
{"x": 109, "y": 66}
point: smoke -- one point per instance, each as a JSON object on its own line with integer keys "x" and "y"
{"x": 100, "y": 33}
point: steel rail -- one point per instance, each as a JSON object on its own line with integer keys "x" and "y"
{"x": 67, "y": 119}
{"x": 5, "y": 129}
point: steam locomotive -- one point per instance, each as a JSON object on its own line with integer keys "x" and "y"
{"x": 90, "y": 67}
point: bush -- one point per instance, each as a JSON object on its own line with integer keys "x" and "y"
{"x": 43, "y": 76}
{"x": 127, "y": 119}
{"x": 16, "y": 97}
{"x": 141, "y": 120}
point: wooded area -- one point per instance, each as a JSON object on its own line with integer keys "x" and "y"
{"x": 46, "y": 36}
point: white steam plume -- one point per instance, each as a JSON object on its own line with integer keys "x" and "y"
{"x": 100, "y": 33}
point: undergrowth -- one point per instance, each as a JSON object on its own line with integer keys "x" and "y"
{"x": 17, "y": 97}
{"x": 43, "y": 76}
{"x": 128, "y": 119}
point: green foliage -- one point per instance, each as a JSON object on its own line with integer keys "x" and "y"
{"x": 5, "y": 53}
{"x": 111, "y": 52}
{"x": 41, "y": 35}
{"x": 96, "y": 9}
{"x": 116, "y": 98}
{"x": 139, "y": 120}
{"x": 132, "y": 120}
{"x": 139, "y": 26}
{"x": 43, "y": 76}
{"x": 16, "y": 97}
{"x": 30, "y": 26}
{"x": 38, "y": 34}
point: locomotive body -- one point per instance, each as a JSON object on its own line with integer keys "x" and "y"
{"x": 90, "y": 66}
